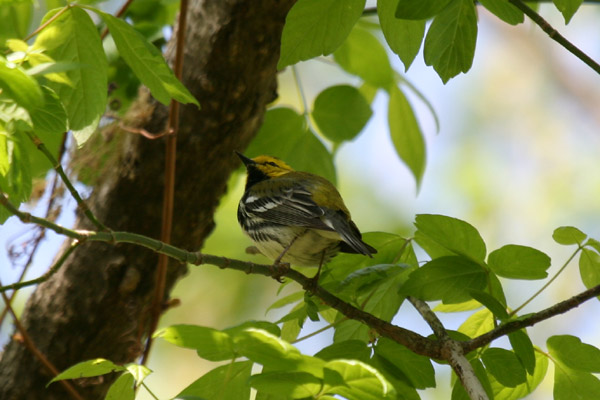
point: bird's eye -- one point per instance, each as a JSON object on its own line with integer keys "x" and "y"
{"x": 271, "y": 163}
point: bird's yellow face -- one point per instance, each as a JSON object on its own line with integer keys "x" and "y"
{"x": 271, "y": 166}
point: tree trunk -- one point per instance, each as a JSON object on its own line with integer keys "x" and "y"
{"x": 97, "y": 304}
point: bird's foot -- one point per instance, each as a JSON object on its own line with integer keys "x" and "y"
{"x": 278, "y": 269}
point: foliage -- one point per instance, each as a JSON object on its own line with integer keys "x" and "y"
{"x": 57, "y": 82}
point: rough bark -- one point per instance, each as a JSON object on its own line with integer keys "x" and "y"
{"x": 97, "y": 305}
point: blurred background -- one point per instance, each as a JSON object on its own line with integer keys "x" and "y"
{"x": 517, "y": 155}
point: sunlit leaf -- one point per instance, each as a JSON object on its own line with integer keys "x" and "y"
{"x": 210, "y": 343}
{"x": 86, "y": 369}
{"x": 523, "y": 348}
{"x": 290, "y": 384}
{"x": 21, "y": 87}
{"x": 356, "y": 381}
{"x": 502, "y": 392}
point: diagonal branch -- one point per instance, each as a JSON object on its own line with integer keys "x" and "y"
{"x": 531, "y": 319}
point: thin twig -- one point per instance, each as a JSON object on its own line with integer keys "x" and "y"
{"x": 169, "y": 189}
{"x": 59, "y": 169}
{"x": 26, "y": 339}
{"x": 51, "y": 271}
{"x": 45, "y": 24}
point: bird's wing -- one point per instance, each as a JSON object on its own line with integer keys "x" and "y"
{"x": 290, "y": 206}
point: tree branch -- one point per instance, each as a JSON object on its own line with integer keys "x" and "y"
{"x": 453, "y": 352}
{"x": 531, "y": 319}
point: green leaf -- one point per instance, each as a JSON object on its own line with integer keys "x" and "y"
{"x": 229, "y": 381}
{"x": 270, "y": 351}
{"x": 572, "y": 384}
{"x": 449, "y": 279}
{"x": 589, "y": 268}
{"x": 416, "y": 368}
{"x": 491, "y": 303}
{"x": 504, "y": 366}
{"x": 317, "y": 27}
{"x": 87, "y": 369}
{"x": 402, "y": 35}
{"x": 293, "y": 385}
{"x": 283, "y": 134}
{"x": 362, "y": 54}
{"x": 341, "y": 112}
{"x": 19, "y": 86}
{"x": 356, "y": 381}
{"x": 351, "y": 330}
{"x": 478, "y": 323}
{"x": 211, "y": 344}
{"x": 521, "y": 344}
{"x": 147, "y": 62}
{"x": 452, "y": 234}
{"x": 284, "y": 301}
{"x": 450, "y": 41}
{"x": 389, "y": 246}
{"x": 52, "y": 117}
{"x": 568, "y": 235}
{"x": 420, "y": 9}
{"x": 519, "y": 262}
{"x": 139, "y": 372}
{"x": 573, "y": 353}
{"x": 504, "y": 10}
{"x": 270, "y": 327}
{"x": 593, "y": 243}
{"x": 502, "y": 392}
{"x": 73, "y": 38}
{"x": 406, "y": 134}
{"x": 468, "y": 305}
{"x": 121, "y": 389}
{"x": 567, "y": 8}
{"x": 16, "y": 19}
{"x": 16, "y": 182}
{"x": 348, "y": 349}
{"x": 364, "y": 279}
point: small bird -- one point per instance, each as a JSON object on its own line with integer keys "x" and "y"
{"x": 295, "y": 217}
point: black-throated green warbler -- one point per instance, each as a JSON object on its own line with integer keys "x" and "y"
{"x": 295, "y": 217}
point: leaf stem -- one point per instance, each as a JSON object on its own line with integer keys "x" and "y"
{"x": 516, "y": 310}
{"x": 45, "y": 24}
{"x": 155, "y": 397}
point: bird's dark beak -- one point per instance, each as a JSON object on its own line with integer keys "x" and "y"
{"x": 247, "y": 161}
